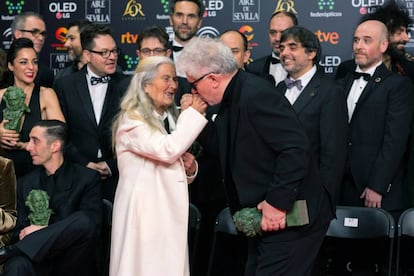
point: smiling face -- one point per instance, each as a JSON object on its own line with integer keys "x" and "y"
{"x": 295, "y": 59}
{"x": 99, "y": 65}
{"x": 163, "y": 87}
{"x": 24, "y": 66}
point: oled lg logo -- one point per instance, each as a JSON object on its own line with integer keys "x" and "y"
{"x": 329, "y": 63}
{"x": 367, "y": 6}
{"x": 63, "y": 10}
{"x": 212, "y": 7}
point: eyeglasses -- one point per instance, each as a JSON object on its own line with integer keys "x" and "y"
{"x": 193, "y": 84}
{"x": 106, "y": 53}
{"x": 35, "y": 32}
{"x": 155, "y": 52}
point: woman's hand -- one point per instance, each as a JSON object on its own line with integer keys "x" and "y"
{"x": 8, "y": 138}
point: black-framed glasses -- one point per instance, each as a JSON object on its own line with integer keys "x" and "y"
{"x": 155, "y": 51}
{"x": 106, "y": 53}
{"x": 193, "y": 84}
{"x": 35, "y": 32}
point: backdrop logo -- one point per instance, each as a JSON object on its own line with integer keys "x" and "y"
{"x": 128, "y": 38}
{"x": 131, "y": 63}
{"x": 98, "y": 11}
{"x": 58, "y": 61}
{"x": 329, "y": 63}
{"x": 367, "y": 6}
{"x": 165, "y": 6}
{"x": 285, "y": 5}
{"x": 208, "y": 31}
{"x": 13, "y": 8}
{"x": 329, "y": 37}
{"x": 246, "y": 11}
{"x": 60, "y": 36}
{"x": 248, "y": 33}
{"x": 63, "y": 10}
{"x": 133, "y": 11}
{"x": 325, "y": 9}
{"x": 212, "y": 6}
{"x": 7, "y": 38}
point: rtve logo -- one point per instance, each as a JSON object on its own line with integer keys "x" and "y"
{"x": 329, "y": 37}
{"x": 129, "y": 38}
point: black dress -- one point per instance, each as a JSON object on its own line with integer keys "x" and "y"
{"x": 21, "y": 158}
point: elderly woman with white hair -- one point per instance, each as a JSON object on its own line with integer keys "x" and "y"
{"x": 150, "y": 216}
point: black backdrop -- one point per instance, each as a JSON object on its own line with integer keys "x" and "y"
{"x": 333, "y": 21}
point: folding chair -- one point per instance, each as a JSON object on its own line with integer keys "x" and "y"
{"x": 405, "y": 229}
{"x": 194, "y": 223}
{"x": 363, "y": 223}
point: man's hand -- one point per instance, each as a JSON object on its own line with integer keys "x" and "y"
{"x": 100, "y": 167}
{"x": 186, "y": 101}
{"x": 29, "y": 229}
{"x": 273, "y": 219}
{"x": 372, "y": 198}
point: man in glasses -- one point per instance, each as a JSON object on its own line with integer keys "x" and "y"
{"x": 31, "y": 25}
{"x": 90, "y": 99}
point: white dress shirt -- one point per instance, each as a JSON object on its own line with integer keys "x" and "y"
{"x": 293, "y": 93}
{"x": 357, "y": 88}
{"x": 277, "y": 71}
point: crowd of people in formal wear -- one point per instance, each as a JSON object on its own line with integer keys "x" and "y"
{"x": 266, "y": 134}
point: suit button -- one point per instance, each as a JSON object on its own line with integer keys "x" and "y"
{"x": 350, "y": 144}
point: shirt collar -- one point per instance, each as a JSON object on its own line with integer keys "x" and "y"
{"x": 370, "y": 71}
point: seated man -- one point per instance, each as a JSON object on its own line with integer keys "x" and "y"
{"x": 7, "y": 200}
{"x": 64, "y": 243}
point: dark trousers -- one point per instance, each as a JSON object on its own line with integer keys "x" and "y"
{"x": 63, "y": 248}
{"x": 270, "y": 256}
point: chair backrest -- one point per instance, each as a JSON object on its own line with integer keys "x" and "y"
{"x": 406, "y": 223}
{"x": 194, "y": 224}
{"x": 224, "y": 222}
{"x": 361, "y": 223}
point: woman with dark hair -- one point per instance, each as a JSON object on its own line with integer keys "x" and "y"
{"x": 22, "y": 63}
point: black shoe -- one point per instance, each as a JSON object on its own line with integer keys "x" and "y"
{"x": 7, "y": 252}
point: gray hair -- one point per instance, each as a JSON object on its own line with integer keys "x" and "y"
{"x": 136, "y": 104}
{"x": 204, "y": 54}
{"x": 19, "y": 21}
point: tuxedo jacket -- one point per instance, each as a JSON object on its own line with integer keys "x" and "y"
{"x": 86, "y": 137}
{"x": 321, "y": 108}
{"x": 45, "y": 76}
{"x": 260, "y": 67}
{"x": 378, "y": 133}
{"x": 75, "y": 188}
{"x": 265, "y": 153}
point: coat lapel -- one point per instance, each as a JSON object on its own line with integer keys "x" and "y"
{"x": 84, "y": 96}
{"x": 307, "y": 94}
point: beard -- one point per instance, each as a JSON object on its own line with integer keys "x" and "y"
{"x": 394, "y": 52}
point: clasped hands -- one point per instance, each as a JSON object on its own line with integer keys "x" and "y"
{"x": 195, "y": 101}
{"x": 273, "y": 219}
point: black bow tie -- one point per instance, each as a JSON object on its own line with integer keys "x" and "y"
{"x": 358, "y": 75}
{"x": 292, "y": 83}
{"x": 177, "y": 48}
{"x": 274, "y": 60}
{"x": 95, "y": 80}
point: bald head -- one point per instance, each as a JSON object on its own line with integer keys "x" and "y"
{"x": 370, "y": 43}
{"x": 237, "y": 43}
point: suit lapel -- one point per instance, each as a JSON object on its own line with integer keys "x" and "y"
{"x": 85, "y": 97}
{"x": 307, "y": 94}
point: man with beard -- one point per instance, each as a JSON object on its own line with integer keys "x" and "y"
{"x": 185, "y": 19}
{"x": 73, "y": 44}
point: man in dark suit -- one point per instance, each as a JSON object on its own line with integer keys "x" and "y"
{"x": 269, "y": 67}
{"x": 31, "y": 25}
{"x": 265, "y": 157}
{"x": 380, "y": 107}
{"x": 319, "y": 103}
{"x": 90, "y": 99}
{"x": 66, "y": 244}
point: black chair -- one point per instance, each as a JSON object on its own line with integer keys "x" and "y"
{"x": 228, "y": 248}
{"x": 362, "y": 223}
{"x": 106, "y": 233}
{"x": 194, "y": 223}
{"x": 405, "y": 230}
